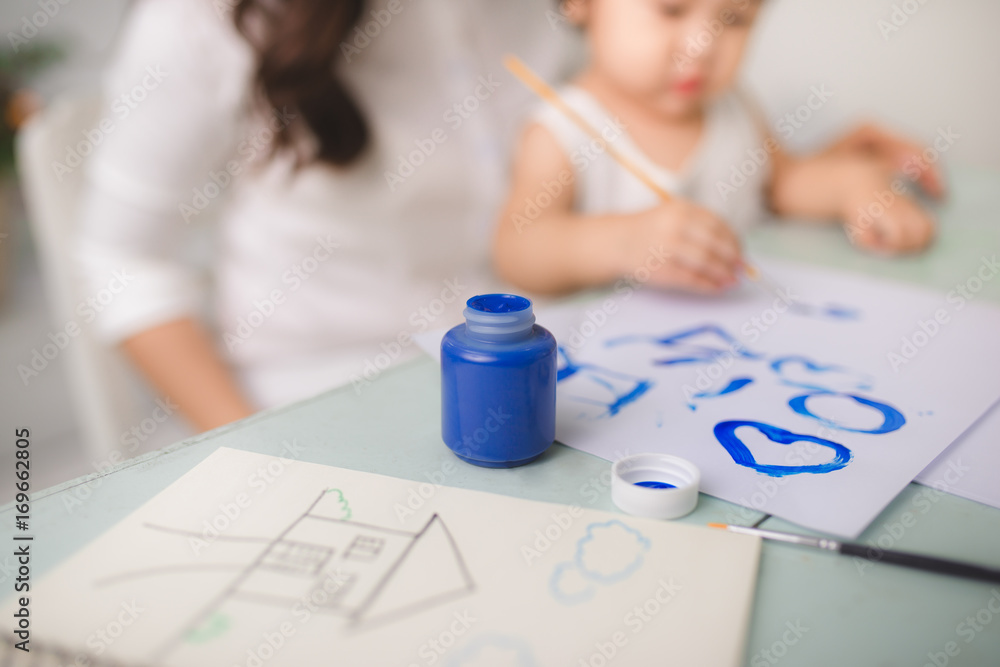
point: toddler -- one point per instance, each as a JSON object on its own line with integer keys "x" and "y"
{"x": 660, "y": 88}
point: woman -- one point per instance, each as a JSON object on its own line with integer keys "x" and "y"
{"x": 352, "y": 158}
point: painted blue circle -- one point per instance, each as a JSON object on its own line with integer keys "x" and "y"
{"x": 498, "y": 303}
{"x": 725, "y": 433}
{"x": 653, "y": 484}
{"x": 892, "y": 419}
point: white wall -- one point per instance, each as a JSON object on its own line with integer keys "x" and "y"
{"x": 940, "y": 68}
{"x": 84, "y": 28}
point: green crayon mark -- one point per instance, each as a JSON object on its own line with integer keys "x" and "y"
{"x": 214, "y": 626}
{"x": 344, "y": 505}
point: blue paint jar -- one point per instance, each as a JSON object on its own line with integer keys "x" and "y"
{"x": 498, "y": 383}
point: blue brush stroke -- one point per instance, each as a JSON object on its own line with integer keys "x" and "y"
{"x": 593, "y": 373}
{"x": 694, "y": 353}
{"x": 892, "y": 419}
{"x": 569, "y": 369}
{"x": 734, "y": 385}
{"x": 621, "y": 400}
{"x": 641, "y": 387}
{"x": 725, "y": 433}
{"x": 778, "y": 364}
{"x": 831, "y": 310}
{"x": 842, "y": 312}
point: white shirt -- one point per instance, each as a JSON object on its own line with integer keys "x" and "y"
{"x": 319, "y": 276}
{"x": 726, "y": 173}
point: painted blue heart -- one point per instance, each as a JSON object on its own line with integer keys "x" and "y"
{"x": 725, "y": 433}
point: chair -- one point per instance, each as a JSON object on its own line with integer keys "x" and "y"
{"x": 108, "y": 396}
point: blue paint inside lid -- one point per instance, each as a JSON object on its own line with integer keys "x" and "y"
{"x": 653, "y": 484}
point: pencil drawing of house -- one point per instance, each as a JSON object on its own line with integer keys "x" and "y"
{"x": 366, "y": 573}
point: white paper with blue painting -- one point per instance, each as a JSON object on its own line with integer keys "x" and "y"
{"x": 320, "y": 565}
{"x": 818, "y": 407}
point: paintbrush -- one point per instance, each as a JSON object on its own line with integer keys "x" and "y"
{"x": 915, "y": 561}
{"x": 535, "y": 83}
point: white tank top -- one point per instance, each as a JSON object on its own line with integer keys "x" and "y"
{"x": 726, "y": 173}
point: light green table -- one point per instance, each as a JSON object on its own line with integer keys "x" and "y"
{"x": 882, "y": 616}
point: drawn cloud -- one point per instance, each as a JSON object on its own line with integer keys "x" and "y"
{"x": 608, "y": 552}
{"x": 568, "y": 584}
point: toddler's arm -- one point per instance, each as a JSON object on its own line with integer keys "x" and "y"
{"x": 856, "y": 182}
{"x": 680, "y": 244}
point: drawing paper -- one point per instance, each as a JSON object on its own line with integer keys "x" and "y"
{"x": 970, "y": 467}
{"x": 817, "y": 404}
{"x": 254, "y": 560}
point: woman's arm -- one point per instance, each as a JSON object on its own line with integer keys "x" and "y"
{"x": 552, "y": 249}
{"x": 180, "y": 359}
{"x": 187, "y": 64}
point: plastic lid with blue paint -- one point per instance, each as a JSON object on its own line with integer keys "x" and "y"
{"x": 656, "y": 486}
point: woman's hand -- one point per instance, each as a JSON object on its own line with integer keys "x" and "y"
{"x": 682, "y": 246}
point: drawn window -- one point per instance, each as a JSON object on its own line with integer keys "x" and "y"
{"x": 364, "y": 548}
{"x": 306, "y": 559}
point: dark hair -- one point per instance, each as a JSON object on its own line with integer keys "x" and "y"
{"x": 296, "y": 69}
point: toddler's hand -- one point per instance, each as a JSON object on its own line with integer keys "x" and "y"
{"x": 682, "y": 246}
{"x": 877, "y": 218}
{"x": 893, "y": 153}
